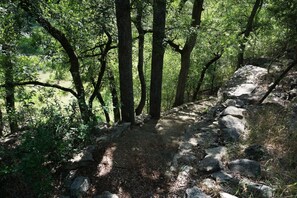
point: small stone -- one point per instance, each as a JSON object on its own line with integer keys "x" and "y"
{"x": 106, "y": 194}
{"x": 226, "y": 195}
{"x": 245, "y": 167}
{"x": 80, "y": 186}
{"x": 209, "y": 184}
{"x": 195, "y": 192}
{"x": 233, "y": 102}
{"x": 210, "y": 164}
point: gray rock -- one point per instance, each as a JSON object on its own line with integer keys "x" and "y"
{"x": 234, "y": 111}
{"x": 195, "y": 192}
{"x": 210, "y": 184}
{"x": 206, "y": 139}
{"x": 233, "y": 102}
{"x": 222, "y": 176}
{"x": 254, "y": 152}
{"x": 259, "y": 190}
{"x": 230, "y": 135}
{"x": 232, "y": 122}
{"x": 245, "y": 167}
{"x": 80, "y": 186}
{"x": 106, "y": 194}
{"x": 219, "y": 152}
{"x": 226, "y": 195}
{"x": 210, "y": 164}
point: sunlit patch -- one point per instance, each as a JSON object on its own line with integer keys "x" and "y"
{"x": 106, "y": 163}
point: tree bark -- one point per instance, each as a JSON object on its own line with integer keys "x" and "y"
{"x": 102, "y": 103}
{"x": 9, "y": 90}
{"x": 114, "y": 95}
{"x": 141, "y": 33}
{"x": 202, "y": 75}
{"x": 159, "y": 16}
{"x": 1, "y": 123}
{"x": 125, "y": 59}
{"x": 246, "y": 33}
{"x": 186, "y": 53}
{"x": 86, "y": 113}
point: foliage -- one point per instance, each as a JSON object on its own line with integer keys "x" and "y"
{"x": 49, "y": 142}
{"x": 271, "y": 126}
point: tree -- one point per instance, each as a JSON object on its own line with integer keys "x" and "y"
{"x": 141, "y": 32}
{"x": 246, "y": 33}
{"x": 186, "y": 51}
{"x": 159, "y": 15}
{"x": 125, "y": 59}
{"x": 32, "y": 10}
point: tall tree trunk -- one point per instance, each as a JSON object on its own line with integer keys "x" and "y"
{"x": 114, "y": 95}
{"x": 31, "y": 9}
{"x": 246, "y": 33}
{"x": 9, "y": 90}
{"x": 186, "y": 53}
{"x": 159, "y": 16}
{"x": 202, "y": 75}
{"x": 141, "y": 33}
{"x": 125, "y": 59}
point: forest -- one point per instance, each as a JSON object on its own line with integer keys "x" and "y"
{"x": 70, "y": 69}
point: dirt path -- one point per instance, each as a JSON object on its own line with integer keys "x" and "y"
{"x": 135, "y": 165}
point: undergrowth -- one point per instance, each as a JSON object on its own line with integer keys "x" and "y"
{"x": 274, "y": 127}
{"x": 27, "y": 168}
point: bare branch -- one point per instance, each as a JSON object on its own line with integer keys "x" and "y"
{"x": 38, "y": 83}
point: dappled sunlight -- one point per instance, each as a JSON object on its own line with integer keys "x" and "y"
{"x": 106, "y": 164}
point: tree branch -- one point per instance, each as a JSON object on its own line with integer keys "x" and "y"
{"x": 175, "y": 46}
{"x": 38, "y": 83}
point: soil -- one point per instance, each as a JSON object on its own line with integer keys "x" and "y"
{"x": 135, "y": 164}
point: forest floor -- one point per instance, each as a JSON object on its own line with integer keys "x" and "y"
{"x": 135, "y": 165}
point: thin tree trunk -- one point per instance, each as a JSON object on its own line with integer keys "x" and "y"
{"x": 272, "y": 87}
{"x": 247, "y": 32}
{"x": 1, "y": 123}
{"x": 9, "y": 90}
{"x": 159, "y": 16}
{"x": 114, "y": 95}
{"x": 102, "y": 103}
{"x": 125, "y": 59}
{"x": 141, "y": 33}
{"x": 186, "y": 53}
{"x": 202, "y": 75}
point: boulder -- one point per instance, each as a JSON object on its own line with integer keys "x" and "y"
{"x": 233, "y": 102}
{"x": 80, "y": 186}
{"x": 222, "y": 176}
{"x": 219, "y": 152}
{"x": 234, "y": 111}
{"x": 245, "y": 167}
{"x": 195, "y": 192}
{"x": 258, "y": 190}
{"x": 232, "y": 122}
{"x": 210, "y": 164}
{"x": 230, "y": 135}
